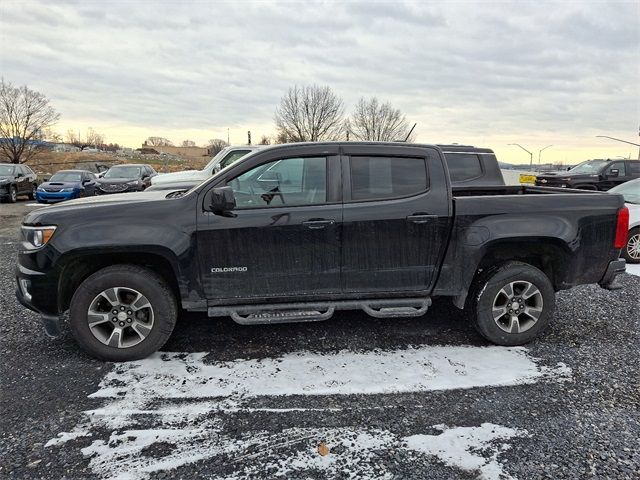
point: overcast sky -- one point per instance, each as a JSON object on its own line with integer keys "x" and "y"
{"x": 486, "y": 73}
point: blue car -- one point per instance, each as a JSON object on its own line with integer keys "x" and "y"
{"x": 65, "y": 185}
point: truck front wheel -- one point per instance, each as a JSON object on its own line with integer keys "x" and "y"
{"x": 512, "y": 303}
{"x": 122, "y": 312}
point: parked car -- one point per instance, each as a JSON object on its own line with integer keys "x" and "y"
{"x": 125, "y": 178}
{"x": 631, "y": 193}
{"x": 223, "y": 159}
{"x": 467, "y": 165}
{"x": 16, "y": 180}
{"x": 66, "y": 185}
{"x": 295, "y": 232}
{"x": 593, "y": 175}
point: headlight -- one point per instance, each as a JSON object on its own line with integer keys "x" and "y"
{"x": 68, "y": 189}
{"x": 40, "y": 189}
{"x": 134, "y": 182}
{"x": 37, "y": 237}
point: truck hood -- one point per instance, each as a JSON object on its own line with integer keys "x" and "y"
{"x": 179, "y": 176}
{"x": 559, "y": 175}
{"x": 92, "y": 206}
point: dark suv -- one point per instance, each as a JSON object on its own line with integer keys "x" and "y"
{"x": 17, "y": 180}
{"x": 125, "y": 178}
{"x": 593, "y": 175}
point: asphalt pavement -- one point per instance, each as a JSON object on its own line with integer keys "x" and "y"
{"x": 352, "y": 397}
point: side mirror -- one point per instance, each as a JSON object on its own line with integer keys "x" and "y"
{"x": 223, "y": 201}
{"x": 19, "y": 175}
{"x": 85, "y": 181}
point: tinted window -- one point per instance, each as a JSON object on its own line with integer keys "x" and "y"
{"x": 634, "y": 168}
{"x": 66, "y": 177}
{"x": 123, "y": 172}
{"x": 232, "y": 157}
{"x": 292, "y": 181}
{"x": 27, "y": 170}
{"x": 616, "y": 166}
{"x": 463, "y": 166}
{"x": 386, "y": 177}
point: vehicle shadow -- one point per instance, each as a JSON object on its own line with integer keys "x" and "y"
{"x": 347, "y": 330}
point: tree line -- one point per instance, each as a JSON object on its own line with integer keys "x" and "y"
{"x": 306, "y": 113}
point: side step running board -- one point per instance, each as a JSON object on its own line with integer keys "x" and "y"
{"x": 318, "y": 311}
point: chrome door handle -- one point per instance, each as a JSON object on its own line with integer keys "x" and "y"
{"x": 317, "y": 224}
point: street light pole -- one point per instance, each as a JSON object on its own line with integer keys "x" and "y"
{"x": 530, "y": 154}
{"x": 540, "y": 153}
{"x": 623, "y": 141}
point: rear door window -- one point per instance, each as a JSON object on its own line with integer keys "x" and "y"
{"x": 463, "y": 166}
{"x": 374, "y": 178}
{"x": 634, "y": 168}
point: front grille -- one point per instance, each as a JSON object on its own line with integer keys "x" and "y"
{"x": 52, "y": 190}
{"x": 113, "y": 187}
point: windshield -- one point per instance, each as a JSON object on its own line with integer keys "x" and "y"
{"x": 590, "y": 166}
{"x": 629, "y": 190}
{"x": 6, "y": 170}
{"x": 66, "y": 177}
{"x": 122, "y": 172}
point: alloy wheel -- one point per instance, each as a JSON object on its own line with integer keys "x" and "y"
{"x": 517, "y": 306}
{"x": 120, "y": 317}
{"x": 633, "y": 246}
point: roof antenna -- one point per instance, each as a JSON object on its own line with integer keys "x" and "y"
{"x": 410, "y": 132}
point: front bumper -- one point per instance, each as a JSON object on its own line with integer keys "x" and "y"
{"x": 52, "y": 197}
{"x": 130, "y": 188}
{"x": 34, "y": 291}
{"x": 613, "y": 270}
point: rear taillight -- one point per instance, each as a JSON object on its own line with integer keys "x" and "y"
{"x": 622, "y": 228}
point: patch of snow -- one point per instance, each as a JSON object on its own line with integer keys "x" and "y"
{"x": 461, "y": 446}
{"x": 414, "y": 369}
{"x": 633, "y": 268}
{"x": 169, "y": 410}
{"x": 67, "y": 436}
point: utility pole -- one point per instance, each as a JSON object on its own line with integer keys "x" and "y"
{"x": 540, "y": 153}
{"x": 228, "y": 142}
{"x": 623, "y": 141}
{"x": 530, "y": 154}
{"x": 249, "y": 137}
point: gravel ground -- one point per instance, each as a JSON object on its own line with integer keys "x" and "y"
{"x": 585, "y": 426}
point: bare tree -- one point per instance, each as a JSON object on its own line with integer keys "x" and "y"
{"x": 158, "y": 142}
{"x": 264, "y": 140}
{"x": 375, "y": 121}
{"x": 94, "y": 138}
{"x": 310, "y": 114}
{"x": 215, "y": 145}
{"x": 91, "y": 139}
{"x": 25, "y": 116}
{"x": 188, "y": 143}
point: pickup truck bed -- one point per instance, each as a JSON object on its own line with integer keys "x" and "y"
{"x": 295, "y": 232}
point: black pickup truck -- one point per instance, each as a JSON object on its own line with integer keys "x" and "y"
{"x": 296, "y": 232}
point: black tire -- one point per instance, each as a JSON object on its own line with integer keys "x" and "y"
{"x": 32, "y": 194}
{"x": 13, "y": 194}
{"x": 149, "y": 284}
{"x": 485, "y": 290}
{"x": 634, "y": 236}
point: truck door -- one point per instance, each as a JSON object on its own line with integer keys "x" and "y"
{"x": 396, "y": 217}
{"x": 614, "y": 175}
{"x": 284, "y": 238}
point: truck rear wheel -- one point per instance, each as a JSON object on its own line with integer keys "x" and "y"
{"x": 511, "y": 304}
{"x": 122, "y": 312}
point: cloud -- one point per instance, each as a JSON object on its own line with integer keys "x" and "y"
{"x": 475, "y": 70}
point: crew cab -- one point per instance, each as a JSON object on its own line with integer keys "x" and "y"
{"x": 593, "y": 175}
{"x": 467, "y": 165}
{"x": 16, "y": 180}
{"x": 296, "y": 232}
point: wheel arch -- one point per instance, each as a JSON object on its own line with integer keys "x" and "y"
{"x": 80, "y": 265}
